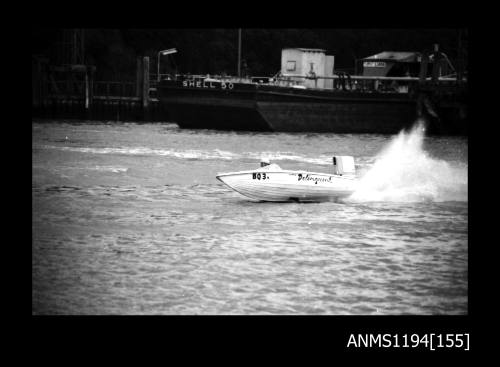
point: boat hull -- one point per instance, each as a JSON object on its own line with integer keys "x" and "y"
{"x": 281, "y": 186}
{"x": 291, "y": 110}
{"x": 252, "y": 107}
{"x": 212, "y": 107}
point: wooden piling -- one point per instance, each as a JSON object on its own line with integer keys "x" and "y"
{"x": 436, "y": 67}
{"x": 423, "y": 68}
{"x": 91, "y": 70}
{"x": 138, "y": 81}
{"x": 145, "y": 87}
{"x": 87, "y": 91}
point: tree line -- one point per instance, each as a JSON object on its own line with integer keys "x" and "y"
{"x": 215, "y": 51}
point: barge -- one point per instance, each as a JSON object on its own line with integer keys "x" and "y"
{"x": 335, "y": 103}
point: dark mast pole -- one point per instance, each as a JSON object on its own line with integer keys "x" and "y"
{"x": 239, "y": 52}
{"x": 460, "y": 60}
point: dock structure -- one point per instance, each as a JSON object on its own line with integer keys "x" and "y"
{"x": 71, "y": 91}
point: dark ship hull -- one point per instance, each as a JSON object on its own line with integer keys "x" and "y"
{"x": 253, "y": 107}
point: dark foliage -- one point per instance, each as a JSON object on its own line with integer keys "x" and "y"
{"x": 214, "y": 51}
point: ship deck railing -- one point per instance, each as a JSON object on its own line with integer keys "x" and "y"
{"x": 400, "y": 84}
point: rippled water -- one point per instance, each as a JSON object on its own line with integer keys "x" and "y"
{"x": 129, "y": 219}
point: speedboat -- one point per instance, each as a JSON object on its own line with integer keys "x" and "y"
{"x": 271, "y": 183}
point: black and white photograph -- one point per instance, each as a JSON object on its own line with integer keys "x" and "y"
{"x": 250, "y": 171}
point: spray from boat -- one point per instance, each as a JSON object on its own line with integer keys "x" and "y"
{"x": 405, "y": 172}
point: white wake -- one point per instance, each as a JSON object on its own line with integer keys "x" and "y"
{"x": 404, "y": 172}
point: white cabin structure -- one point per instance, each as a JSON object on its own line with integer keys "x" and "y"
{"x": 308, "y": 62}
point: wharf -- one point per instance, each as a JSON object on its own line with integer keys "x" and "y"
{"x": 70, "y": 92}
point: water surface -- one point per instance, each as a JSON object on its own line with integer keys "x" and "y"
{"x": 129, "y": 219}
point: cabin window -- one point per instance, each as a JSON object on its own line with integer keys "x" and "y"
{"x": 290, "y": 66}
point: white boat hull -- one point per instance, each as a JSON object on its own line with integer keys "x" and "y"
{"x": 285, "y": 185}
